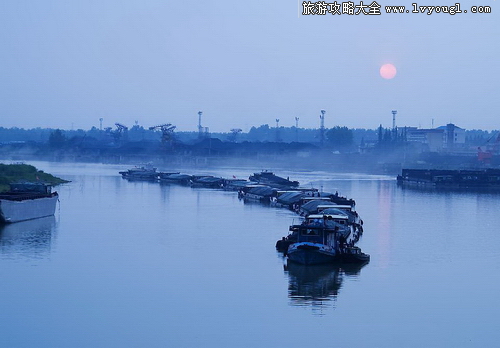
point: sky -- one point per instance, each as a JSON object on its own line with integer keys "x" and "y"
{"x": 66, "y": 64}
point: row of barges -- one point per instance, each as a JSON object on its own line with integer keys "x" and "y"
{"x": 329, "y": 229}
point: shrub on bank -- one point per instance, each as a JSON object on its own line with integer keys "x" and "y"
{"x": 10, "y": 173}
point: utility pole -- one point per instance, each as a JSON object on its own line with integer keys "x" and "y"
{"x": 277, "y": 130}
{"x": 100, "y": 123}
{"x": 322, "y": 127}
{"x": 296, "y": 129}
{"x": 394, "y": 130}
{"x": 200, "y": 128}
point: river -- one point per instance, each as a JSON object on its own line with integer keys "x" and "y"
{"x": 139, "y": 264}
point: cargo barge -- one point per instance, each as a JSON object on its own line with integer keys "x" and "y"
{"x": 439, "y": 178}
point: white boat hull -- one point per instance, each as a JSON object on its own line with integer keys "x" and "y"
{"x": 27, "y": 209}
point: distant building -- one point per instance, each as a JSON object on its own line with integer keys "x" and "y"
{"x": 444, "y": 138}
{"x": 453, "y": 136}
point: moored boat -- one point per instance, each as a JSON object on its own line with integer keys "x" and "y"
{"x": 269, "y": 178}
{"x": 26, "y": 201}
{"x": 353, "y": 254}
{"x": 289, "y": 199}
{"x": 147, "y": 172}
{"x": 318, "y": 239}
{"x": 311, "y": 253}
{"x": 207, "y": 181}
{"x": 234, "y": 184}
{"x": 261, "y": 193}
{"x": 181, "y": 179}
{"x": 322, "y": 239}
{"x": 165, "y": 175}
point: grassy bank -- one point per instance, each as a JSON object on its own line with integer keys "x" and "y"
{"x": 10, "y": 173}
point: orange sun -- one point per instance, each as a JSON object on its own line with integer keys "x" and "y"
{"x": 388, "y": 71}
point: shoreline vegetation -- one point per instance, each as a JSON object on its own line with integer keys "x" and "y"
{"x": 11, "y": 173}
{"x": 373, "y": 151}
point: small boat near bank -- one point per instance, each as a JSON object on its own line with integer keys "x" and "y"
{"x": 26, "y": 201}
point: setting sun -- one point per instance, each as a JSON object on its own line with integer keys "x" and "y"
{"x": 388, "y": 71}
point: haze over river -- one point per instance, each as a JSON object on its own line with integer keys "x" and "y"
{"x": 139, "y": 264}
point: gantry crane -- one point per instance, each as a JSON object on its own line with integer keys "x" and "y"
{"x": 234, "y": 133}
{"x": 120, "y": 130}
{"x": 167, "y": 131}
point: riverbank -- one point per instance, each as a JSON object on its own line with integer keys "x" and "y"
{"x": 10, "y": 173}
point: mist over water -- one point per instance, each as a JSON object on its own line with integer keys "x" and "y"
{"x": 142, "y": 264}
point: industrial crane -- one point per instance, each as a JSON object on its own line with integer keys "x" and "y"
{"x": 120, "y": 127}
{"x": 492, "y": 148}
{"x": 120, "y": 130}
{"x": 167, "y": 131}
{"x": 234, "y": 133}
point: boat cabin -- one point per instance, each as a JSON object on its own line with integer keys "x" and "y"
{"x": 322, "y": 207}
{"x": 308, "y": 199}
{"x": 324, "y": 219}
{"x": 323, "y": 229}
{"x": 282, "y": 192}
{"x": 343, "y": 207}
{"x": 31, "y": 187}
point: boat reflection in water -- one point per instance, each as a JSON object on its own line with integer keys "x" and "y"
{"x": 317, "y": 285}
{"x": 27, "y": 239}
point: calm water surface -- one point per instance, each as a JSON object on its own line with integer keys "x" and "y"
{"x": 137, "y": 264}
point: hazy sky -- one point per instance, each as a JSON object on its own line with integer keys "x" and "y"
{"x": 67, "y": 63}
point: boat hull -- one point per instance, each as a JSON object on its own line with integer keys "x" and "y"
{"x": 27, "y": 209}
{"x": 141, "y": 177}
{"x": 355, "y": 258}
{"x": 311, "y": 253}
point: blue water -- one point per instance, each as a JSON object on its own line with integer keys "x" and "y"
{"x": 137, "y": 264}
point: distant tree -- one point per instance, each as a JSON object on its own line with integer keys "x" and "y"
{"x": 387, "y": 136}
{"x": 57, "y": 139}
{"x": 262, "y": 133}
{"x": 340, "y": 137}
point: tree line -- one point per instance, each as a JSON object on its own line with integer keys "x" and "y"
{"x": 339, "y": 138}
